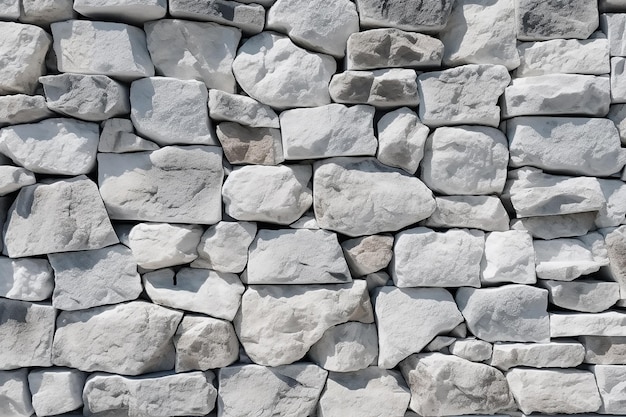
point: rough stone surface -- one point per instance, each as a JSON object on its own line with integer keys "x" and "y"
{"x": 427, "y": 16}
{"x": 22, "y": 108}
{"x": 610, "y": 380}
{"x": 159, "y": 245}
{"x": 401, "y": 139}
{"x": 132, "y": 11}
{"x": 539, "y": 20}
{"x": 562, "y": 354}
{"x": 604, "y": 350}
{"x": 556, "y": 226}
{"x": 250, "y": 145}
{"x": 224, "y": 246}
{"x": 615, "y": 241}
{"x": 346, "y": 347}
{"x": 248, "y": 17}
{"x": 44, "y": 12}
{"x": 241, "y": 109}
{"x": 618, "y": 80}
{"x": 15, "y": 397}
{"x": 118, "y": 136}
{"x": 612, "y": 24}
{"x": 509, "y": 257}
{"x": 26, "y": 279}
{"x": 381, "y": 88}
{"x": 608, "y": 323}
{"x": 563, "y": 56}
{"x": 474, "y": 350}
{"x": 368, "y": 254}
{"x": 56, "y": 390}
{"x": 469, "y": 211}
{"x": 10, "y": 9}
{"x": 586, "y": 296}
{"x": 613, "y": 214}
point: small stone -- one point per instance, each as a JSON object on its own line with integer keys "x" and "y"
{"x": 380, "y": 88}
{"x": 118, "y": 136}
{"x": 250, "y": 145}
{"x": 298, "y": 256}
{"x": 612, "y": 24}
{"x": 604, "y": 350}
{"x": 346, "y": 347}
{"x": 474, "y": 350}
{"x": 539, "y": 20}
{"x": 15, "y": 397}
{"x": 510, "y": 313}
{"x": 23, "y": 51}
{"x": 273, "y": 70}
{"x": 392, "y": 48}
{"x": 618, "y": 80}
{"x": 465, "y": 160}
{"x": 275, "y": 194}
{"x": 440, "y": 344}
{"x": 131, "y": 11}
{"x": 447, "y": 385}
{"x": 426, "y": 16}
{"x": 248, "y": 17}
{"x": 317, "y": 25}
{"x": 224, "y": 246}
{"x": 130, "y": 339}
{"x": 44, "y": 12}
{"x": 368, "y": 254}
{"x": 401, "y": 139}
{"x": 25, "y": 279}
{"x": 422, "y": 258}
{"x": 21, "y": 108}
{"x": 409, "y": 318}
{"x": 14, "y": 178}
{"x": 159, "y": 245}
{"x": 564, "y": 56}
{"x": 56, "y": 390}
{"x": 585, "y": 296}
{"x": 617, "y": 113}
{"x": 241, "y": 109}
{"x": 277, "y": 324}
{"x": 533, "y": 390}
{"x": 615, "y": 243}
{"x": 610, "y": 380}
{"x": 291, "y": 390}
{"x": 342, "y": 187}
{"x": 565, "y": 354}
{"x": 509, "y": 257}
{"x": 608, "y": 323}
{"x": 114, "y": 49}
{"x": 204, "y": 343}
{"x": 370, "y": 392}
{"x": 568, "y": 258}
{"x": 556, "y": 226}
{"x": 61, "y": 216}
{"x": 463, "y": 95}
{"x": 469, "y": 212}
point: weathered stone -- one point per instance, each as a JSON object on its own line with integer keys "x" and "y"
{"x": 609, "y": 323}
{"x": 463, "y": 95}
{"x": 469, "y": 211}
{"x": 611, "y": 5}
{"x": 440, "y": 344}
{"x": 509, "y": 257}
{"x": 56, "y": 390}
{"x": 241, "y": 109}
{"x": 159, "y": 245}
{"x": 612, "y": 24}
{"x": 343, "y": 187}
{"x": 189, "y": 184}
{"x": 564, "y": 56}
{"x": 13, "y": 178}
{"x": 556, "y": 226}
{"x": 22, "y": 108}
{"x": 401, "y": 139}
{"x": 10, "y": 10}
{"x": 273, "y": 70}
{"x": 277, "y": 324}
{"x": 474, "y": 350}
{"x": 426, "y": 16}
{"x": 44, "y": 12}
{"x": 565, "y": 354}
{"x": 368, "y": 254}
{"x": 615, "y": 243}
{"x": 224, "y": 247}
{"x": 132, "y": 11}
{"x": 129, "y": 339}
{"x": 346, "y": 347}
{"x": 618, "y": 80}
{"x": 617, "y": 113}
{"x": 250, "y": 145}
{"x": 25, "y": 279}
{"x": 307, "y": 221}
{"x": 15, "y": 397}
{"x": 604, "y": 350}
{"x": 510, "y": 313}
{"x": 248, "y": 17}
{"x": 392, "y": 48}
{"x": 118, "y": 136}
{"x": 568, "y": 258}
{"x": 61, "y": 216}
{"x": 409, "y": 318}
{"x": 114, "y": 49}
{"x": 585, "y": 296}
{"x": 610, "y": 380}
{"x": 380, "y": 88}
{"x": 539, "y": 20}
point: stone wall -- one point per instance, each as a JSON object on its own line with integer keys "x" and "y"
{"x": 326, "y": 208}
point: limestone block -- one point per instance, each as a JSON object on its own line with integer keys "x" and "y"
{"x": 587, "y": 296}
{"x": 556, "y": 226}
{"x": 426, "y": 16}
{"x": 15, "y": 397}
{"x": 132, "y": 11}
{"x": 539, "y": 20}
{"x": 401, "y": 139}
{"x": 509, "y": 257}
{"x": 346, "y": 347}
{"x": 44, "y": 12}
{"x": 56, "y": 390}
{"x": 224, "y": 246}
{"x": 474, "y": 350}
{"x": 159, "y": 245}
{"x": 618, "y": 80}
{"x": 608, "y": 323}
{"x": 470, "y": 212}
{"x": 562, "y": 354}
{"x": 248, "y": 17}
{"x": 563, "y": 56}
{"x": 26, "y": 279}
{"x": 615, "y": 243}
{"x": 250, "y": 145}
{"x": 22, "y": 108}
{"x": 241, "y": 109}
{"x": 383, "y": 88}
{"x": 617, "y": 113}
{"x": 604, "y": 350}
{"x": 10, "y": 9}
{"x": 368, "y": 254}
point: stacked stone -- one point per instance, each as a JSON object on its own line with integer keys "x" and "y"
{"x": 308, "y": 207}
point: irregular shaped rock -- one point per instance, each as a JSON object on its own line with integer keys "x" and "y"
{"x": 425, "y": 258}
{"x": 205, "y": 343}
{"x": 277, "y": 324}
{"x": 615, "y": 243}
{"x": 531, "y": 389}
{"x": 474, "y": 350}
{"x": 392, "y": 48}
{"x": 610, "y": 380}
{"x": 26, "y": 331}
{"x": 216, "y": 294}
{"x": 540, "y": 20}
{"x": 509, "y": 257}
{"x": 370, "y": 392}
{"x": 409, "y": 318}
{"x": 189, "y": 184}
{"x": 368, "y": 254}
{"x": 401, "y": 140}
{"x": 463, "y": 95}
{"x": 159, "y": 245}
{"x": 15, "y": 397}
{"x": 276, "y": 194}
{"x": 13, "y": 178}
{"x": 129, "y": 339}
{"x": 510, "y": 313}
{"x": 53, "y": 146}
{"x": 61, "y": 216}
{"x": 287, "y": 390}
{"x": 241, "y": 109}
{"x": 537, "y": 355}
{"x": 604, "y": 350}
{"x": 317, "y": 25}
{"x": 465, "y": 160}
{"x": 556, "y": 226}
{"x": 612, "y": 24}
{"x": 381, "y": 88}
{"x": 21, "y": 108}
{"x": 613, "y": 214}
{"x": 426, "y": 16}
{"x": 349, "y": 198}
{"x": 346, "y": 347}
{"x": 248, "y": 17}
{"x": 44, "y": 12}
{"x": 118, "y": 136}
{"x": 481, "y": 32}
{"x": 567, "y": 259}
{"x": 132, "y": 11}
{"x": 10, "y": 11}
{"x": 585, "y": 296}
{"x": 618, "y": 80}
{"x": 25, "y": 279}
{"x": 470, "y": 212}
{"x": 24, "y": 49}
{"x": 447, "y": 385}
{"x": 250, "y": 145}
{"x": 56, "y": 390}
{"x": 195, "y": 51}
{"x": 273, "y": 70}
{"x": 298, "y": 256}
{"x": 224, "y": 247}
{"x": 114, "y": 49}
{"x": 609, "y": 323}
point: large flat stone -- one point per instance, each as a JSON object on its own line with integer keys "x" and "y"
{"x": 612, "y": 24}
{"x": 556, "y": 226}
{"x": 566, "y": 354}
{"x": 608, "y": 323}
{"x": 583, "y": 295}
{"x": 610, "y": 380}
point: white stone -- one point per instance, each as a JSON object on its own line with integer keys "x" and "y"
{"x": 368, "y": 254}
{"x": 608, "y": 323}
{"x": 469, "y": 211}
{"x": 189, "y": 184}
{"x": 61, "y": 216}
{"x": 392, "y": 48}
{"x": 44, "y": 12}
{"x": 440, "y": 344}
{"x": 130, "y": 339}
{"x": 510, "y": 313}
{"x": 422, "y": 258}
{"x": 556, "y": 226}
{"x": 481, "y": 32}
{"x": 618, "y": 80}
{"x": 204, "y": 343}
{"x": 159, "y": 245}
{"x": 343, "y": 187}
{"x": 463, "y": 95}
{"x": 586, "y": 296}
{"x": 610, "y": 380}
{"x": 617, "y": 113}
{"x": 114, "y": 49}
{"x": 23, "y": 52}
{"x": 509, "y": 257}
{"x": 13, "y": 178}
{"x": 224, "y": 247}
{"x": 604, "y": 350}
{"x": 568, "y": 258}
{"x": 327, "y": 131}
{"x": 241, "y": 109}
{"x": 409, "y": 318}
{"x": 612, "y": 24}
{"x": 538, "y": 20}
{"x": 447, "y": 385}
{"x": 10, "y": 10}
{"x": 346, "y": 347}
{"x": 133, "y": 11}
{"x": 245, "y": 145}
{"x": 56, "y": 390}
{"x": 53, "y": 146}
{"x": 615, "y": 243}
{"x": 290, "y": 390}
{"x": 22, "y": 108}
{"x": 317, "y": 25}
{"x": 275, "y": 194}
{"x": 277, "y": 324}
{"x": 564, "y": 56}
{"x": 26, "y": 279}
{"x": 465, "y": 160}
{"x": 273, "y": 70}
{"x": 118, "y": 136}
{"x": 474, "y": 350}
{"x": 383, "y": 88}
{"x": 426, "y": 16}
{"x": 562, "y": 354}
{"x": 26, "y": 331}
{"x": 370, "y": 392}
{"x": 15, "y": 397}
{"x": 248, "y": 17}
{"x": 401, "y": 139}
{"x": 533, "y": 390}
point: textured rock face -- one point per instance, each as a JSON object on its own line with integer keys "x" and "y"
{"x": 401, "y": 139}
{"x": 610, "y": 379}
{"x": 604, "y": 350}
{"x": 26, "y": 279}
{"x": 612, "y": 26}
{"x": 469, "y": 211}
{"x": 22, "y": 108}
{"x": 346, "y": 347}
{"x": 241, "y": 109}
{"x": 247, "y": 17}
{"x": 585, "y": 296}
{"x": 173, "y": 244}
{"x": 427, "y": 16}
{"x": 537, "y": 355}
{"x": 368, "y": 254}
{"x": 224, "y": 247}
{"x": 538, "y": 20}
{"x": 509, "y": 257}
{"x": 250, "y": 145}
{"x": 56, "y": 390}
{"x": 15, "y": 394}
{"x": 608, "y": 323}
{"x": 381, "y": 88}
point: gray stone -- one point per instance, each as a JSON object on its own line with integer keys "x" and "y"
{"x": 44, "y": 12}
{"x": 241, "y": 109}
{"x": 617, "y": 113}
{"x": 618, "y": 80}
{"x": 539, "y": 20}
{"x": 14, "y": 178}
{"x": 401, "y": 139}
{"x": 568, "y": 258}
{"x": 22, "y": 108}
{"x": 612, "y": 5}
{"x": 610, "y": 380}
{"x": 26, "y": 279}
{"x": 586, "y": 296}
{"x": 250, "y": 145}
{"x": 608, "y": 323}
{"x": 224, "y": 246}
{"x": 248, "y": 17}
{"x": 132, "y": 11}
{"x": 562, "y": 354}
{"x": 346, "y": 347}
{"x": 615, "y": 243}
{"x": 556, "y": 226}
{"x": 426, "y": 16}
{"x": 384, "y": 88}
{"x": 612, "y": 24}
{"x": 470, "y": 212}
{"x": 15, "y": 397}
{"x": 56, "y": 390}
{"x": 509, "y": 257}
{"x": 564, "y": 56}
{"x": 118, "y": 136}
{"x": 368, "y": 254}
{"x": 159, "y": 245}
{"x": 604, "y": 350}
{"x": 474, "y": 350}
